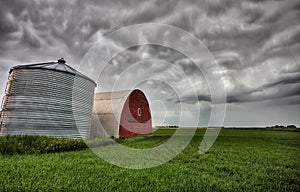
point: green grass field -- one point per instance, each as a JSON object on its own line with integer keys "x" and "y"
{"x": 240, "y": 160}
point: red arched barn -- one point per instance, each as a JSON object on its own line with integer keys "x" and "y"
{"x": 121, "y": 114}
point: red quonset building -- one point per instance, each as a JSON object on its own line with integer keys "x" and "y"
{"x": 121, "y": 114}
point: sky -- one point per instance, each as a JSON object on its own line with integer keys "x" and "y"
{"x": 256, "y": 45}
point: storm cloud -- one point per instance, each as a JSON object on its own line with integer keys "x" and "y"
{"x": 256, "y": 45}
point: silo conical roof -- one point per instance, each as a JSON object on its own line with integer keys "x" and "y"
{"x": 60, "y": 65}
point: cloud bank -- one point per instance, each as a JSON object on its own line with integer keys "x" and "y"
{"x": 255, "y": 43}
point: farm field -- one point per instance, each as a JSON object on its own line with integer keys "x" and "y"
{"x": 240, "y": 160}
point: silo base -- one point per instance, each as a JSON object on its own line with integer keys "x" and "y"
{"x": 3, "y": 131}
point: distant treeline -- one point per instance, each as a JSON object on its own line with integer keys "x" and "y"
{"x": 167, "y": 126}
{"x": 282, "y": 126}
{"x": 274, "y": 126}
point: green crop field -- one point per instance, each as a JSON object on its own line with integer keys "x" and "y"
{"x": 240, "y": 160}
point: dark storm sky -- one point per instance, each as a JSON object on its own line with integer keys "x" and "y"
{"x": 255, "y": 43}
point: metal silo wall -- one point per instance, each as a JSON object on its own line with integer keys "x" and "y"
{"x": 39, "y": 102}
{"x": 82, "y": 103}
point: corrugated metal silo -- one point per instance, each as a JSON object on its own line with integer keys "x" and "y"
{"x": 39, "y": 100}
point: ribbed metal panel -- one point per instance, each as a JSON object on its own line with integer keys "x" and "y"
{"x": 40, "y": 101}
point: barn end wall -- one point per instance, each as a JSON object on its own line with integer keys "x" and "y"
{"x": 135, "y": 123}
